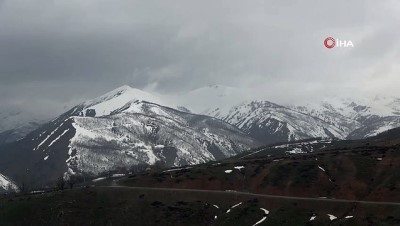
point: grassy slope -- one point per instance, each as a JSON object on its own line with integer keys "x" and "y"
{"x": 351, "y": 174}
{"x": 124, "y": 206}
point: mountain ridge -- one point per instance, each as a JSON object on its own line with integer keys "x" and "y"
{"x": 127, "y": 127}
{"x": 340, "y": 117}
{"x": 131, "y": 132}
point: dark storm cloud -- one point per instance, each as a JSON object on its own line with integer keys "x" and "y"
{"x": 61, "y": 52}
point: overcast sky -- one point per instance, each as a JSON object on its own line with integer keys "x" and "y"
{"x": 54, "y": 53}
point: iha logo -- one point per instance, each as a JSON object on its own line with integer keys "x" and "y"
{"x": 330, "y": 42}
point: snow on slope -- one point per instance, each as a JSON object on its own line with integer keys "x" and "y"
{"x": 12, "y": 117}
{"x": 330, "y": 116}
{"x": 374, "y": 126}
{"x": 261, "y": 119}
{"x": 121, "y": 129}
{"x": 116, "y": 99}
{"x": 354, "y": 108}
{"x": 16, "y": 123}
{"x": 7, "y": 184}
{"x": 274, "y": 123}
{"x": 124, "y": 128}
{"x": 18, "y": 133}
{"x": 358, "y": 117}
{"x": 142, "y": 132}
{"x": 383, "y": 128}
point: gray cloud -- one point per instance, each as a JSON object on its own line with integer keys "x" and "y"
{"x": 56, "y": 53}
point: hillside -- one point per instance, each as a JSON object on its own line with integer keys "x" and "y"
{"x": 337, "y": 183}
{"x": 360, "y": 173}
{"x": 127, "y": 206}
{"x": 361, "y": 170}
{"x": 118, "y": 131}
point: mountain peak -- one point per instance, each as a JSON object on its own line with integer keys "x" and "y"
{"x": 125, "y": 87}
{"x": 117, "y": 98}
{"x": 122, "y": 88}
{"x": 117, "y": 91}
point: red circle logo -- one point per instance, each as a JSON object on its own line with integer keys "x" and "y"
{"x": 329, "y": 42}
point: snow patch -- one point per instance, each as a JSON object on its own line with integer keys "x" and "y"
{"x": 37, "y": 192}
{"x": 58, "y": 138}
{"x": 234, "y": 206}
{"x": 266, "y": 212}
{"x": 239, "y": 167}
{"x": 296, "y": 151}
{"x": 260, "y": 221}
{"x": 41, "y": 143}
{"x": 99, "y": 179}
{"x": 177, "y": 169}
{"x": 332, "y": 217}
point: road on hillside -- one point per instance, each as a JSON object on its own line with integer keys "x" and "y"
{"x": 255, "y": 195}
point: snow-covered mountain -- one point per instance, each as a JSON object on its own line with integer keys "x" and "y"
{"x": 273, "y": 123}
{"x": 120, "y": 129}
{"x": 127, "y": 127}
{"x": 111, "y": 101}
{"x": 359, "y": 117}
{"x": 18, "y": 133}
{"x": 143, "y": 132}
{"x": 16, "y": 123}
{"x": 269, "y": 122}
